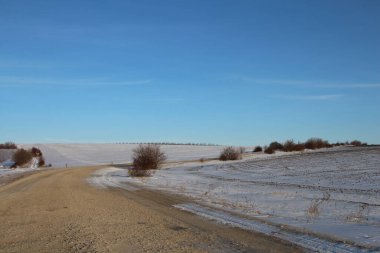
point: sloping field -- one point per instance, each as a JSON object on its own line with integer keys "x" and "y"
{"x": 334, "y": 194}
{"x": 6, "y": 154}
{"x": 98, "y": 154}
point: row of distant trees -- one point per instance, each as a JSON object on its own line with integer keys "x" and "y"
{"x": 170, "y": 143}
{"x": 8, "y": 145}
{"x": 233, "y": 153}
{"x": 312, "y": 143}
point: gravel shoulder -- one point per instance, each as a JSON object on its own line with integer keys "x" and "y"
{"x": 58, "y": 211}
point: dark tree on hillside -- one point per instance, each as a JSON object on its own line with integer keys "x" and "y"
{"x": 22, "y": 157}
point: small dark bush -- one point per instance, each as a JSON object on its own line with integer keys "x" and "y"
{"x": 356, "y": 143}
{"x": 36, "y": 152}
{"x": 299, "y": 147}
{"x": 276, "y": 146}
{"x": 258, "y": 149}
{"x": 317, "y": 143}
{"x": 230, "y": 153}
{"x": 22, "y": 157}
{"x": 41, "y": 161}
{"x": 269, "y": 150}
{"x": 290, "y": 146}
{"x": 202, "y": 160}
{"x": 146, "y": 158}
{"x": 8, "y": 145}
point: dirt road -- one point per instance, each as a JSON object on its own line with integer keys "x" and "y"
{"x": 58, "y": 211}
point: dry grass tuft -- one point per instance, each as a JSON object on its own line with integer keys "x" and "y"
{"x": 231, "y": 153}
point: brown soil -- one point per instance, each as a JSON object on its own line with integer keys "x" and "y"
{"x": 58, "y": 211}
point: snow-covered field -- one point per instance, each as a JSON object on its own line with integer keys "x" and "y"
{"x": 70, "y": 155}
{"x": 4, "y": 172}
{"x": 334, "y": 194}
{"x": 60, "y": 155}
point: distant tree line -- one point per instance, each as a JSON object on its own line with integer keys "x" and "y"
{"x": 312, "y": 143}
{"x": 8, "y": 145}
{"x": 170, "y": 143}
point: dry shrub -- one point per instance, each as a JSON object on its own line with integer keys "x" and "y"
{"x": 317, "y": 143}
{"x": 290, "y": 146}
{"x": 269, "y": 150}
{"x": 230, "y": 153}
{"x": 356, "y": 143}
{"x": 299, "y": 147}
{"x": 146, "y": 158}
{"x": 313, "y": 210}
{"x": 22, "y": 157}
{"x": 258, "y": 149}
{"x": 36, "y": 152}
{"x": 41, "y": 161}
{"x": 276, "y": 146}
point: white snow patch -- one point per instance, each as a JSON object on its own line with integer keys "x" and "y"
{"x": 334, "y": 193}
{"x": 304, "y": 240}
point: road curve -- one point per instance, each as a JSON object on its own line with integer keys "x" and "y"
{"x": 58, "y": 211}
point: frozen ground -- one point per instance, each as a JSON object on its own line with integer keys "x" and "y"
{"x": 4, "y": 172}
{"x": 334, "y": 194}
{"x": 98, "y": 154}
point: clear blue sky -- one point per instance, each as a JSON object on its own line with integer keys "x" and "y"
{"x": 227, "y": 72}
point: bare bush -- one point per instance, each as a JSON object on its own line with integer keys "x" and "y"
{"x": 22, "y": 157}
{"x": 258, "y": 149}
{"x": 41, "y": 161}
{"x": 290, "y": 146}
{"x": 230, "y": 153}
{"x": 36, "y": 152}
{"x": 356, "y": 143}
{"x": 146, "y": 158}
{"x": 269, "y": 150}
{"x": 317, "y": 143}
{"x": 299, "y": 147}
{"x": 276, "y": 145}
{"x": 315, "y": 206}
